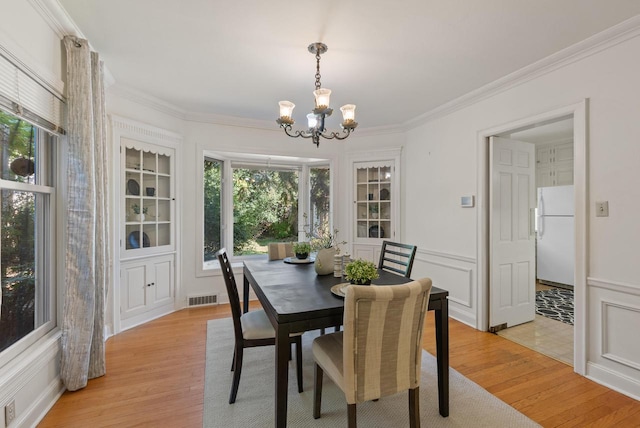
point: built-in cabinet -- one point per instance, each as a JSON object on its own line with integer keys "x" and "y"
{"x": 145, "y": 201}
{"x": 148, "y": 197}
{"x": 375, "y": 202}
{"x": 147, "y": 286}
{"x": 554, "y": 164}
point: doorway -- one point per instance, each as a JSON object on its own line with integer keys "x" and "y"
{"x": 548, "y": 328}
{"x": 545, "y": 122}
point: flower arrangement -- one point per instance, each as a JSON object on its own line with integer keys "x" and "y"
{"x": 322, "y": 237}
{"x": 361, "y": 272}
{"x": 302, "y": 249}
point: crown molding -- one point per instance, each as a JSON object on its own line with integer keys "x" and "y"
{"x": 146, "y": 100}
{"x": 218, "y": 119}
{"x": 598, "y": 42}
{"x": 56, "y": 17}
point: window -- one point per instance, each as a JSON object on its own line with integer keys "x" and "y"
{"x": 261, "y": 202}
{"x": 26, "y": 235}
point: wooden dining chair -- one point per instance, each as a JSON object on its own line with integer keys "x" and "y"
{"x": 379, "y": 352}
{"x": 251, "y": 329}
{"x": 279, "y": 250}
{"x": 397, "y": 258}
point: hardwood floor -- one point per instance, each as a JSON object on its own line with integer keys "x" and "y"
{"x": 155, "y": 378}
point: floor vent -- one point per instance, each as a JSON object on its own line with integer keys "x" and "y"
{"x": 211, "y": 299}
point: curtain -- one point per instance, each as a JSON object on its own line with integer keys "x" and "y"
{"x": 88, "y": 263}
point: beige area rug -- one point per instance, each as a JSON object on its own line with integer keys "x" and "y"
{"x": 470, "y": 405}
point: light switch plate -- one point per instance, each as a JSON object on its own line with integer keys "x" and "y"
{"x": 602, "y": 209}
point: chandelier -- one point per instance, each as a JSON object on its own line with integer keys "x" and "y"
{"x": 315, "y": 119}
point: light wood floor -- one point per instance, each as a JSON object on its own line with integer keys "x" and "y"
{"x": 155, "y": 378}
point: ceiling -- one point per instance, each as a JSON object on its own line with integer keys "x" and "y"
{"x": 395, "y": 60}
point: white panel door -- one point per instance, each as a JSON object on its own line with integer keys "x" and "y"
{"x": 512, "y": 252}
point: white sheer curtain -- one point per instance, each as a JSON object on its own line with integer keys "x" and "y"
{"x": 88, "y": 260}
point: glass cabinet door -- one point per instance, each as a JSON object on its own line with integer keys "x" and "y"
{"x": 147, "y": 198}
{"x": 374, "y": 200}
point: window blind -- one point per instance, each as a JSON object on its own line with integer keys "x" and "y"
{"x": 26, "y": 98}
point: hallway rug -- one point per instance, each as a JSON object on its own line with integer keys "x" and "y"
{"x": 470, "y": 405}
{"x": 556, "y": 304}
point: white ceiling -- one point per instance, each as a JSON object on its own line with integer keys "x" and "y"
{"x": 395, "y": 60}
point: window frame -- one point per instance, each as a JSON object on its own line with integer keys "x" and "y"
{"x": 46, "y": 301}
{"x": 229, "y": 160}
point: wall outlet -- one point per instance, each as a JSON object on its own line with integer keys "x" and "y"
{"x": 9, "y": 412}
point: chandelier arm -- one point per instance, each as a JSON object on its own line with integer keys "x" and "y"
{"x": 294, "y": 134}
{"x": 336, "y": 135}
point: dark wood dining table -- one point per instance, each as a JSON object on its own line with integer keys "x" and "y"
{"x": 296, "y": 299}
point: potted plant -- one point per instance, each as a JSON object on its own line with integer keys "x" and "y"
{"x": 373, "y": 208}
{"x": 325, "y": 243}
{"x": 302, "y": 249}
{"x": 361, "y": 272}
{"x": 138, "y": 216}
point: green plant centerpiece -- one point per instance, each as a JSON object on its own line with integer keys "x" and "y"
{"x": 361, "y": 272}
{"x": 302, "y": 249}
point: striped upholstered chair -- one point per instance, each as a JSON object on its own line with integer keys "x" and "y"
{"x": 379, "y": 352}
{"x": 280, "y": 250}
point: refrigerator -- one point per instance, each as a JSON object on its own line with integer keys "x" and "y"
{"x": 555, "y": 235}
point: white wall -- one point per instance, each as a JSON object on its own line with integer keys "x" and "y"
{"x": 442, "y": 165}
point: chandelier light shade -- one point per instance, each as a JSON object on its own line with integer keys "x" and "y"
{"x": 316, "y": 119}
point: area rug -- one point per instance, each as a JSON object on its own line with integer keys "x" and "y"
{"x": 470, "y": 405}
{"x": 556, "y": 304}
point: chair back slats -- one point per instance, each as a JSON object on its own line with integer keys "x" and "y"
{"x": 232, "y": 291}
{"x": 397, "y": 257}
{"x": 382, "y": 339}
{"x": 280, "y": 250}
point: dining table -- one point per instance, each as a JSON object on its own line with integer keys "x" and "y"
{"x": 296, "y": 299}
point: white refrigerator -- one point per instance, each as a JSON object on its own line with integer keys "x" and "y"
{"x": 555, "y": 229}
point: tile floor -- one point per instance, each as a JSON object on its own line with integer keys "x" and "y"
{"x": 544, "y": 335}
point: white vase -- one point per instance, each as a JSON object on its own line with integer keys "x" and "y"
{"x": 324, "y": 261}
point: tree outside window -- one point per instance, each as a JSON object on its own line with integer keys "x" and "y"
{"x": 24, "y": 233}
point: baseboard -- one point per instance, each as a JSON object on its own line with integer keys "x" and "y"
{"x": 613, "y": 380}
{"x": 39, "y": 409}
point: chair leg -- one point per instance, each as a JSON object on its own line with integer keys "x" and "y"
{"x": 317, "y": 391}
{"x": 236, "y": 375}
{"x": 351, "y": 415}
{"x": 233, "y": 361}
{"x": 299, "y": 362}
{"x": 414, "y": 408}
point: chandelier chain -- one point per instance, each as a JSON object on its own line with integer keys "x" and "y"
{"x": 317, "y": 71}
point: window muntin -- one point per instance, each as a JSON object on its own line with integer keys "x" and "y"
{"x": 26, "y": 235}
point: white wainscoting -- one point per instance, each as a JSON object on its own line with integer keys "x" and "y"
{"x": 455, "y": 273}
{"x": 613, "y": 354}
